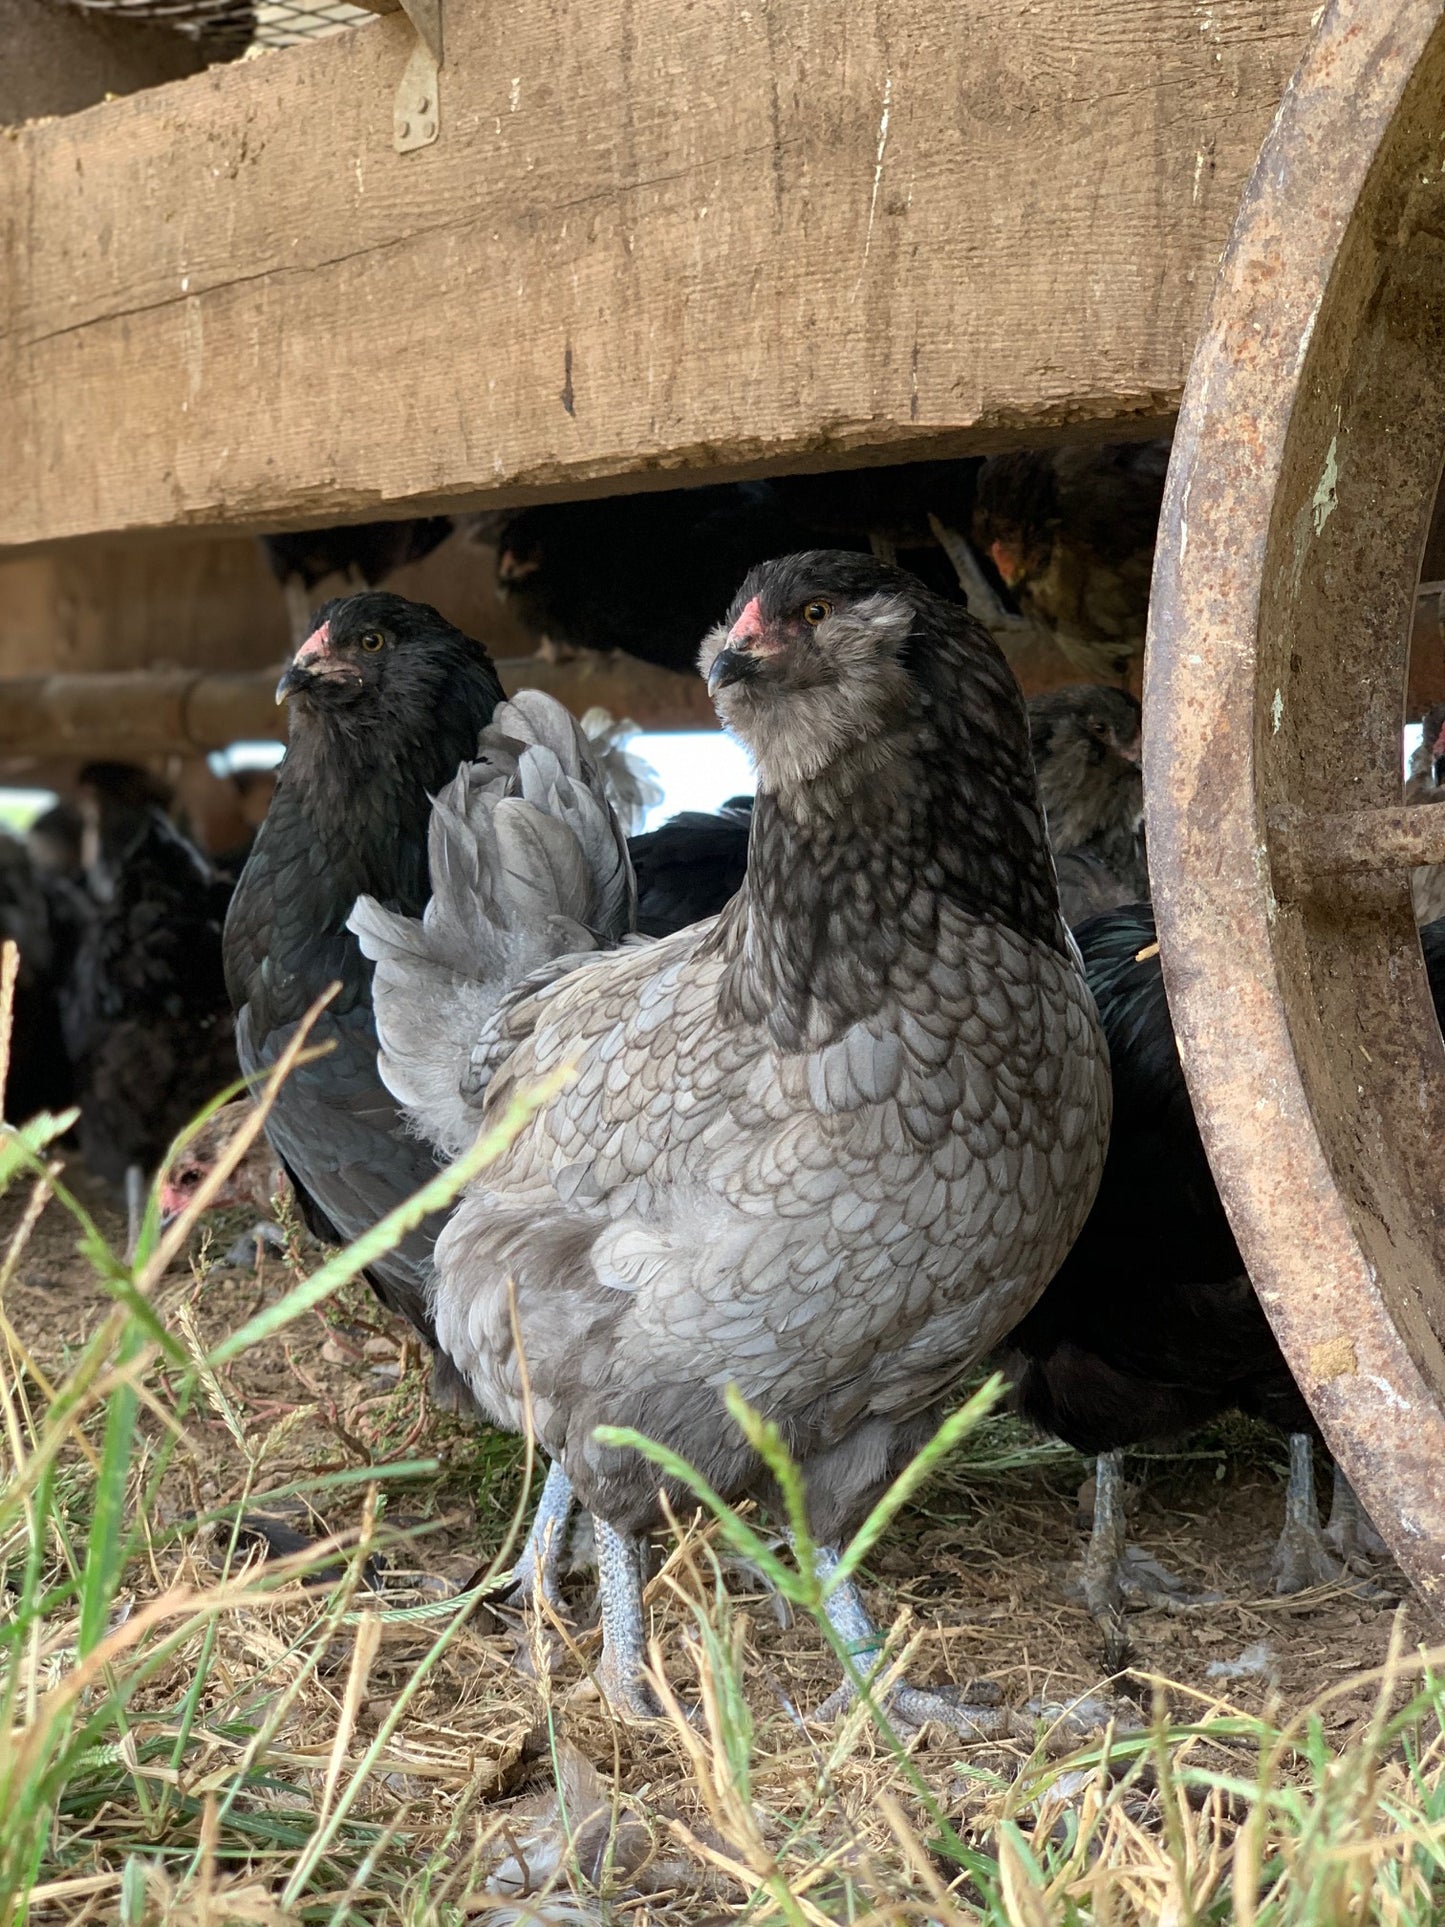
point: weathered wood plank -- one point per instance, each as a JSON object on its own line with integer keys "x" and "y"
{"x": 689, "y": 237}
{"x": 141, "y": 713}
{"x": 202, "y": 602}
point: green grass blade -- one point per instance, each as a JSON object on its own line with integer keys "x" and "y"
{"x": 105, "y": 1551}
{"x": 949, "y": 1436}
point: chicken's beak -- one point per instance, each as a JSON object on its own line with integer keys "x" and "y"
{"x": 293, "y": 677}
{"x": 516, "y": 568}
{"x": 1008, "y": 561}
{"x": 730, "y": 666}
{"x": 312, "y": 660}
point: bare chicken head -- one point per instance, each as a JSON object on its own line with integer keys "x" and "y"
{"x": 810, "y": 664}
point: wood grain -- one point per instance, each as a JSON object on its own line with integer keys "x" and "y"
{"x": 700, "y": 238}
{"x": 141, "y": 713}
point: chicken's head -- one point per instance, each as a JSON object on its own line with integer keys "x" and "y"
{"x": 255, "y": 1180}
{"x": 377, "y": 654}
{"x": 1016, "y": 516}
{"x": 1096, "y": 719}
{"x": 810, "y": 661}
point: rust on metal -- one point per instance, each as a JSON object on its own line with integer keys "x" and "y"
{"x": 1305, "y": 467}
{"x": 1313, "y": 852}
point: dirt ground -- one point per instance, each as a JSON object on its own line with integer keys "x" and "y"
{"x": 983, "y": 1564}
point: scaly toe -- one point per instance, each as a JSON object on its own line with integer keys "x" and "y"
{"x": 627, "y": 1693}
{"x": 1144, "y": 1579}
{"x": 1302, "y": 1560}
{"x": 910, "y": 1708}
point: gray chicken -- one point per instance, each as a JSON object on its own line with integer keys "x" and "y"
{"x": 827, "y": 1147}
{"x": 1085, "y": 742}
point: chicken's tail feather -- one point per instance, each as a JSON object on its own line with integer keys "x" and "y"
{"x": 528, "y": 864}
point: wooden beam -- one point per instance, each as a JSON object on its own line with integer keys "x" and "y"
{"x": 136, "y": 714}
{"x": 193, "y": 602}
{"x": 700, "y": 242}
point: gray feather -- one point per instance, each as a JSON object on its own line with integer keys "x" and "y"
{"x": 528, "y": 866}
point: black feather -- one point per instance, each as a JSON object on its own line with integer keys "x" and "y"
{"x": 1151, "y": 1326}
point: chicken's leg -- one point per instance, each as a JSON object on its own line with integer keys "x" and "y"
{"x": 911, "y": 1706}
{"x": 619, "y": 1582}
{"x": 1104, "y": 1560}
{"x": 540, "y": 1565}
{"x": 1351, "y": 1532}
{"x": 1302, "y": 1558}
{"x": 135, "y": 1205}
{"x": 1114, "y": 1570}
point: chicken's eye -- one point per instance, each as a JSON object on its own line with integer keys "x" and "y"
{"x": 372, "y": 640}
{"x": 816, "y": 611}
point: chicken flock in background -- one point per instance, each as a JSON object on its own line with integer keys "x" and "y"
{"x": 1056, "y": 543}
{"x": 839, "y": 1112}
{"x": 121, "y": 1002}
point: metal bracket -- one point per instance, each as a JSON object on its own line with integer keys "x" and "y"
{"x": 416, "y": 115}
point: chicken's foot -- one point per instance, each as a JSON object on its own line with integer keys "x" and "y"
{"x": 1116, "y": 1573}
{"x": 1302, "y": 1557}
{"x": 909, "y": 1707}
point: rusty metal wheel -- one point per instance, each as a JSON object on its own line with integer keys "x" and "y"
{"x": 1305, "y": 468}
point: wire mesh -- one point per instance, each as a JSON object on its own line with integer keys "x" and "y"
{"x": 224, "y": 27}
{"x": 230, "y": 27}
{"x": 283, "y": 23}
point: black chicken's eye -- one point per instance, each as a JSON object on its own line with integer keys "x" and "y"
{"x": 816, "y": 611}
{"x": 372, "y": 640}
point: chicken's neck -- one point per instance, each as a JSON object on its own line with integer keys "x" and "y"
{"x": 364, "y": 801}
{"x": 849, "y": 888}
{"x": 1096, "y": 807}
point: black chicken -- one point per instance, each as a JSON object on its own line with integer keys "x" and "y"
{"x": 54, "y": 842}
{"x": 116, "y": 803}
{"x": 387, "y": 698}
{"x": 571, "y": 569}
{"x": 1071, "y": 532}
{"x": 901, "y": 512}
{"x": 1151, "y": 1325}
{"x": 146, "y": 1018}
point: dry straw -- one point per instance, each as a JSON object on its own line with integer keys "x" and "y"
{"x": 201, "y": 1725}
